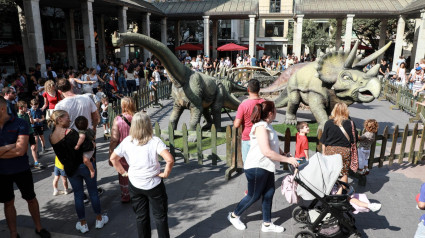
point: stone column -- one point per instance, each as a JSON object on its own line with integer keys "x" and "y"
{"x": 88, "y": 30}
{"x": 382, "y": 37}
{"x": 285, "y": 49}
{"x": 285, "y": 28}
{"x": 177, "y": 37}
{"x": 298, "y": 36}
{"x": 122, "y": 27}
{"x": 420, "y": 49}
{"x": 252, "y": 35}
{"x": 147, "y": 32}
{"x": 398, "y": 48}
{"x": 164, "y": 37}
{"x": 214, "y": 38}
{"x": 100, "y": 25}
{"x": 338, "y": 33}
{"x": 24, "y": 37}
{"x": 34, "y": 33}
{"x": 348, "y": 32}
{"x": 206, "y": 35}
{"x": 418, "y": 23}
{"x": 70, "y": 38}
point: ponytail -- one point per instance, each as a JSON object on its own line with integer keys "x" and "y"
{"x": 261, "y": 111}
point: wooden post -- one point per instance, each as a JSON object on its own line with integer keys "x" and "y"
{"x": 393, "y": 145}
{"x": 383, "y": 147}
{"x": 158, "y": 134}
{"x": 228, "y": 146}
{"x": 421, "y": 147}
{"x": 239, "y": 163}
{"x": 199, "y": 144}
{"x": 397, "y": 103}
{"x": 403, "y": 144}
{"x": 233, "y": 166}
{"x": 319, "y": 145}
{"x": 185, "y": 144}
{"x": 372, "y": 153}
{"x": 214, "y": 145}
{"x": 287, "y": 145}
{"x": 413, "y": 143}
{"x": 171, "y": 140}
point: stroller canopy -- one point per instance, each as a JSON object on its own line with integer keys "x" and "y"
{"x": 319, "y": 174}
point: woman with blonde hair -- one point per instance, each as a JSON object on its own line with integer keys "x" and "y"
{"x": 51, "y": 97}
{"x": 338, "y": 136}
{"x": 120, "y": 130}
{"x": 63, "y": 141}
{"x": 141, "y": 149}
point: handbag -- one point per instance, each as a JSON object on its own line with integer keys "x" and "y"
{"x": 354, "y": 164}
{"x": 289, "y": 189}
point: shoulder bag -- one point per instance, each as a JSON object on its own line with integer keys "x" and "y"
{"x": 354, "y": 164}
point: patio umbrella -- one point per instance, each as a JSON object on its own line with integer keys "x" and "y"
{"x": 188, "y": 46}
{"x": 11, "y": 49}
{"x": 231, "y": 47}
{"x": 257, "y": 47}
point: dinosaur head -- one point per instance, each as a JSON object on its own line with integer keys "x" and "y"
{"x": 344, "y": 74}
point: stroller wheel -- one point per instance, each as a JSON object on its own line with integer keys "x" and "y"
{"x": 300, "y": 215}
{"x": 305, "y": 234}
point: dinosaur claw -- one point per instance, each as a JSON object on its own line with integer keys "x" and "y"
{"x": 290, "y": 121}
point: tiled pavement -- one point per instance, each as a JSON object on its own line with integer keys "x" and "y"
{"x": 200, "y": 198}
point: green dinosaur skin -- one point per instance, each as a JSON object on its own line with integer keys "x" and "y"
{"x": 200, "y": 93}
{"x": 325, "y": 82}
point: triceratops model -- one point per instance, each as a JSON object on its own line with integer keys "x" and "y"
{"x": 332, "y": 78}
{"x": 191, "y": 90}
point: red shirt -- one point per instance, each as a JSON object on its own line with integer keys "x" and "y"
{"x": 52, "y": 101}
{"x": 301, "y": 144}
{"x": 244, "y": 113}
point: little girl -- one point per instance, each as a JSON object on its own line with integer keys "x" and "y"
{"x": 82, "y": 123}
{"x": 365, "y": 141}
{"x": 104, "y": 115}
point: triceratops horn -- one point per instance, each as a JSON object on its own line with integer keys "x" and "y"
{"x": 373, "y": 71}
{"x": 373, "y": 56}
{"x": 348, "y": 64}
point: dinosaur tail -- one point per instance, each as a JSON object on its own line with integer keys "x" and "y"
{"x": 282, "y": 100}
{"x": 230, "y": 102}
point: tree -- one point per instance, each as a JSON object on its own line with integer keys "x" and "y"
{"x": 315, "y": 34}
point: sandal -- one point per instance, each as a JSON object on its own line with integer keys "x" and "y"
{"x": 367, "y": 171}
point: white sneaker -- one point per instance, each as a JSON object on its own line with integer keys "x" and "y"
{"x": 68, "y": 191}
{"x": 374, "y": 207}
{"x": 100, "y": 224}
{"x": 82, "y": 228}
{"x": 56, "y": 192}
{"x": 236, "y": 222}
{"x": 272, "y": 228}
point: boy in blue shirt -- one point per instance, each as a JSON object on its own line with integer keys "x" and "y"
{"x": 38, "y": 119}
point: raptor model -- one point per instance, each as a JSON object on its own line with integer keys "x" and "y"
{"x": 200, "y": 93}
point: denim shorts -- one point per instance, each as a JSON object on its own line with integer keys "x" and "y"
{"x": 105, "y": 120}
{"x": 59, "y": 172}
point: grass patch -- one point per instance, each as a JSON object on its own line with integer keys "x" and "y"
{"x": 206, "y": 144}
{"x": 281, "y": 128}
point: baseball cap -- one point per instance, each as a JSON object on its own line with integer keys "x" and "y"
{"x": 419, "y": 68}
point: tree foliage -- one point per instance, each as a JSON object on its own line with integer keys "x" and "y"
{"x": 315, "y": 34}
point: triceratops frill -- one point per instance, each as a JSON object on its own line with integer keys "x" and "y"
{"x": 334, "y": 77}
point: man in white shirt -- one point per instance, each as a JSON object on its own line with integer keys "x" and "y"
{"x": 156, "y": 74}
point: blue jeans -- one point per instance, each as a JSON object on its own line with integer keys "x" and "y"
{"x": 260, "y": 184}
{"x": 131, "y": 86}
{"x": 76, "y": 181}
{"x": 122, "y": 85}
{"x": 420, "y": 232}
{"x": 245, "y": 148}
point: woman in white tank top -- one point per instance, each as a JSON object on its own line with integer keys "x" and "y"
{"x": 401, "y": 73}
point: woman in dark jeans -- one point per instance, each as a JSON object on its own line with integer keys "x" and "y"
{"x": 333, "y": 139}
{"x": 261, "y": 162}
{"x": 140, "y": 150}
{"x": 63, "y": 141}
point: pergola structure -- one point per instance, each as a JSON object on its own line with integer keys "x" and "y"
{"x": 370, "y": 9}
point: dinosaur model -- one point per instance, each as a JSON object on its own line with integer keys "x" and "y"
{"x": 334, "y": 77}
{"x": 200, "y": 93}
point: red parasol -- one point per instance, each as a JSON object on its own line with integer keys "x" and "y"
{"x": 188, "y": 46}
{"x": 231, "y": 47}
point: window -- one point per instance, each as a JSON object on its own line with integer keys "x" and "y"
{"x": 274, "y": 5}
{"x": 225, "y": 29}
{"x": 246, "y": 28}
{"x": 274, "y": 29}
{"x": 6, "y": 30}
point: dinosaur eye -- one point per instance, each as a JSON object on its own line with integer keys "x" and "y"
{"x": 347, "y": 76}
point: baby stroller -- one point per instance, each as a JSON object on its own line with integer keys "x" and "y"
{"x": 327, "y": 215}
